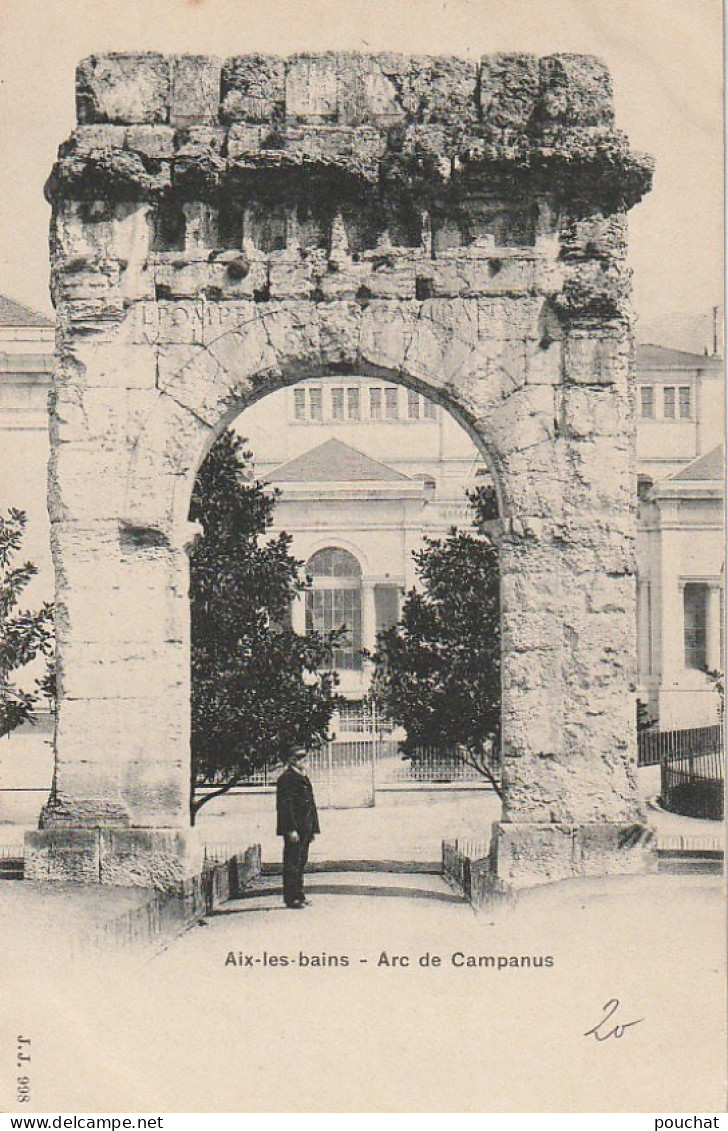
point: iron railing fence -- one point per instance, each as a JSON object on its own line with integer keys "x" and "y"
{"x": 219, "y": 852}
{"x": 433, "y": 766}
{"x": 381, "y": 757}
{"x": 693, "y": 783}
{"x": 460, "y": 859}
{"x": 169, "y": 913}
{"x": 654, "y": 745}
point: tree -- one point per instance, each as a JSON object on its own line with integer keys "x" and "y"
{"x": 24, "y": 634}
{"x": 437, "y": 671}
{"x": 717, "y": 680}
{"x": 258, "y": 687}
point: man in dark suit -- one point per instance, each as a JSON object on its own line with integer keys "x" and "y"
{"x": 297, "y": 824}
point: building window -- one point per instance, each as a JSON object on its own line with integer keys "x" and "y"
{"x": 695, "y": 608}
{"x": 413, "y": 405}
{"x": 430, "y": 409}
{"x": 353, "y": 399}
{"x": 299, "y": 404}
{"x": 334, "y": 601}
{"x": 685, "y": 402}
{"x": 668, "y": 402}
{"x": 315, "y": 404}
{"x": 375, "y": 404}
{"x": 353, "y": 717}
{"x": 337, "y": 404}
{"x": 647, "y": 402}
{"x": 391, "y": 403}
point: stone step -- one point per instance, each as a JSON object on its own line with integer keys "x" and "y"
{"x": 403, "y": 867}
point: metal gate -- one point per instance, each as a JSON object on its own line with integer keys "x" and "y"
{"x": 343, "y": 773}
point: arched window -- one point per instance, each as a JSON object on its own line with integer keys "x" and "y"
{"x": 334, "y": 601}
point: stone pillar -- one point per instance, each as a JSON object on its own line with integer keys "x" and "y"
{"x": 368, "y": 615}
{"x": 672, "y": 612}
{"x": 715, "y": 660}
{"x": 119, "y": 807}
{"x": 568, "y": 593}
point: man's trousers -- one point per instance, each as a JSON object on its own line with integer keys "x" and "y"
{"x": 295, "y": 858}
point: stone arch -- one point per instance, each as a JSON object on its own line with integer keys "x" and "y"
{"x": 485, "y": 380}
{"x": 492, "y": 279}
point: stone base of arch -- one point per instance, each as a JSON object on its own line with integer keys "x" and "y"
{"x": 158, "y": 858}
{"x": 522, "y": 854}
{"x": 525, "y": 854}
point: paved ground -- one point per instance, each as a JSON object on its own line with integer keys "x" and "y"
{"x": 402, "y": 825}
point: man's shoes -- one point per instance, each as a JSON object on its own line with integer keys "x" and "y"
{"x": 293, "y": 906}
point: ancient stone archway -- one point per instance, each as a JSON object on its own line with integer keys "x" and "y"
{"x": 220, "y": 230}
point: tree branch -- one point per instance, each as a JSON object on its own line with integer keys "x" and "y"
{"x": 481, "y": 767}
{"x": 196, "y": 803}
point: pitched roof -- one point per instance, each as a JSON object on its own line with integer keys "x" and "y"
{"x": 334, "y": 462}
{"x": 708, "y": 467}
{"x": 15, "y": 314}
{"x": 650, "y": 356}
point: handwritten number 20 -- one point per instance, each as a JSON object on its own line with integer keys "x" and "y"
{"x": 618, "y": 1031}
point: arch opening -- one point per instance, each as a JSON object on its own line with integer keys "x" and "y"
{"x": 363, "y": 469}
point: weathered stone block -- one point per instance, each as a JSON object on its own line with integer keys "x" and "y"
{"x": 88, "y": 139}
{"x": 253, "y": 88}
{"x": 339, "y": 333}
{"x": 615, "y": 849}
{"x": 294, "y": 337}
{"x": 123, "y": 88}
{"x": 464, "y": 276}
{"x": 364, "y": 93}
{"x": 450, "y": 95}
{"x": 100, "y": 736}
{"x": 113, "y": 366}
{"x": 529, "y": 854}
{"x": 386, "y": 332}
{"x": 153, "y": 141}
{"x": 290, "y": 279}
{"x": 525, "y": 855}
{"x": 533, "y": 723}
{"x": 601, "y": 475}
{"x": 195, "y": 93}
{"x": 156, "y": 791}
{"x": 509, "y": 87}
{"x": 312, "y": 88}
{"x": 93, "y": 615}
{"x": 63, "y": 856}
{"x": 594, "y": 237}
{"x": 200, "y": 141}
{"x": 244, "y": 138}
{"x": 119, "y": 670}
{"x": 584, "y": 360}
{"x": 575, "y": 90}
{"x": 588, "y": 413}
{"x": 149, "y": 857}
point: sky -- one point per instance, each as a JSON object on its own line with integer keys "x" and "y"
{"x": 665, "y": 60}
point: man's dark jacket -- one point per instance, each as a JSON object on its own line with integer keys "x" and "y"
{"x": 296, "y": 808}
